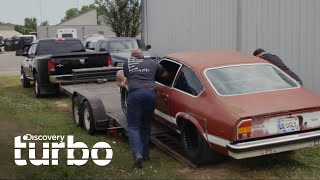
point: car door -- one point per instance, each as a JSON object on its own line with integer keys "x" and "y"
{"x": 28, "y": 61}
{"x": 186, "y": 90}
{"x": 164, "y": 88}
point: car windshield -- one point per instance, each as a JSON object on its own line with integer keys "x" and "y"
{"x": 245, "y": 79}
{"x": 56, "y": 47}
{"x": 123, "y": 45}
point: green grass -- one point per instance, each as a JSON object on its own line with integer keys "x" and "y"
{"x": 21, "y": 113}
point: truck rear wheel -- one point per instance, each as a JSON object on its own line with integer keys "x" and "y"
{"x": 76, "y": 109}
{"x": 124, "y": 98}
{"x": 88, "y": 119}
{"x": 37, "y": 89}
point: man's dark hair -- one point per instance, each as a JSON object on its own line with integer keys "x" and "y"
{"x": 258, "y": 51}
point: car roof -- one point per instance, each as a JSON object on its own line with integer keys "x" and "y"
{"x": 199, "y": 60}
{"x": 117, "y": 38}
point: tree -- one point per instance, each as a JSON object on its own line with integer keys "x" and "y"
{"x": 71, "y": 13}
{"x": 122, "y": 15}
{"x": 44, "y": 23}
{"x": 30, "y": 25}
{"x": 85, "y": 9}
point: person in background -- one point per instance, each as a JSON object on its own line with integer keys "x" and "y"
{"x": 275, "y": 60}
{"x": 141, "y": 74}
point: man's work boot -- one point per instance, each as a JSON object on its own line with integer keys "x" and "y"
{"x": 138, "y": 160}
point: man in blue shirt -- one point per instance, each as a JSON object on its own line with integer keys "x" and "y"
{"x": 141, "y": 74}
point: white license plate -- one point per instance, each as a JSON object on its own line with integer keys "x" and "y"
{"x": 120, "y": 65}
{"x": 288, "y": 124}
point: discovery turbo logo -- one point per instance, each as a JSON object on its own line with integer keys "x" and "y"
{"x": 50, "y": 152}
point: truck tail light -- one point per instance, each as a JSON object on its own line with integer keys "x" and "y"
{"x": 109, "y": 61}
{"x": 244, "y": 129}
{"x": 51, "y": 65}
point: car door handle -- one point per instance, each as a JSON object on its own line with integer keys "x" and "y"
{"x": 164, "y": 95}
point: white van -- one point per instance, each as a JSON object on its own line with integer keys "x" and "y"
{"x": 67, "y": 33}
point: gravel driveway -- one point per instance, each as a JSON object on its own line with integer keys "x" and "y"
{"x": 9, "y": 64}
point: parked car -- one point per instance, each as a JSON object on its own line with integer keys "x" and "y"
{"x": 233, "y": 104}
{"x": 91, "y": 42}
{"x": 120, "y": 49}
{"x": 49, "y": 61}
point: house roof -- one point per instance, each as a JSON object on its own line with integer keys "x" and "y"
{"x": 9, "y": 33}
{"x": 79, "y": 16}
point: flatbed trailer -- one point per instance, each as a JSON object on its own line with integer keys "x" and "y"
{"x": 96, "y": 103}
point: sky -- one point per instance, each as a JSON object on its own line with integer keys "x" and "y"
{"x": 14, "y": 11}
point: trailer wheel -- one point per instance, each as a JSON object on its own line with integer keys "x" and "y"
{"x": 195, "y": 146}
{"x": 76, "y": 109}
{"x": 124, "y": 98}
{"x": 88, "y": 120}
{"x": 24, "y": 80}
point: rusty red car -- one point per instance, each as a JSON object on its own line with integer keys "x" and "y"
{"x": 233, "y": 104}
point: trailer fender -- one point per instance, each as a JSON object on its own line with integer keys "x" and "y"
{"x": 101, "y": 120}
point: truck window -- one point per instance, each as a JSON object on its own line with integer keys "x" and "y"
{"x": 67, "y": 36}
{"x": 57, "y": 47}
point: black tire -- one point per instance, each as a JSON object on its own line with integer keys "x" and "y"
{"x": 24, "y": 80}
{"x": 196, "y": 148}
{"x": 37, "y": 89}
{"x": 124, "y": 98}
{"x": 76, "y": 111}
{"x": 87, "y": 116}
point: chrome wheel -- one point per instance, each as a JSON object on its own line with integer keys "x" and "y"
{"x": 36, "y": 86}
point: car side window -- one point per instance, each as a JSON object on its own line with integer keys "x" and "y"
{"x": 103, "y": 46}
{"x": 172, "y": 68}
{"x": 32, "y": 49}
{"x": 188, "y": 82}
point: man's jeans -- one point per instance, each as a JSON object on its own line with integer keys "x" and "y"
{"x": 141, "y": 105}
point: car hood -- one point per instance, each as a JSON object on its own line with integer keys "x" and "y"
{"x": 267, "y": 103}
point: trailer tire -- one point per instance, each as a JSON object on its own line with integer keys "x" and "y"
{"x": 24, "y": 80}
{"x": 88, "y": 119}
{"x": 196, "y": 148}
{"x": 76, "y": 109}
{"x": 124, "y": 98}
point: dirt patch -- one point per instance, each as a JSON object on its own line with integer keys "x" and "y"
{"x": 63, "y": 106}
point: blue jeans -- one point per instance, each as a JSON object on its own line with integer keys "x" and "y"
{"x": 140, "y": 108}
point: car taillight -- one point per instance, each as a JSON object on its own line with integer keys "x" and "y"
{"x": 109, "y": 61}
{"x": 244, "y": 129}
{"x": 51, "y": 65}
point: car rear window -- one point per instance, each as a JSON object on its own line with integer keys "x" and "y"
{"x": 246, "y": 79}
{"x": 57, "y": 47}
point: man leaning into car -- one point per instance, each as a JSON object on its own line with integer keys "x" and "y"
{"x": 275, "y": 60}
{"x": 141, "y": 74}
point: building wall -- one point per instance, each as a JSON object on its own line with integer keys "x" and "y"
{"x": 178, "y": 25}
{"x": 288, "y": 28}
{"x": 50, "y": 31}
{"x": 89, "y": 18}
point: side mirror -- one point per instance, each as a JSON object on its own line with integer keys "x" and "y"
{"x": 103, "y": 49}
{"x": 19, "y": 53}
{"x": 31, "y": 55}
{"x": 148, "y": 47}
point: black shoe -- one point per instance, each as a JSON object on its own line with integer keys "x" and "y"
{"x": 146, "y": 159}
{"x": 138, "y": 160}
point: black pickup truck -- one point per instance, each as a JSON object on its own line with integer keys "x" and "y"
{"x": 49, "y": 61}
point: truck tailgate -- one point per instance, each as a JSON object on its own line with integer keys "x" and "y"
{"x": 65, "y": 63}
